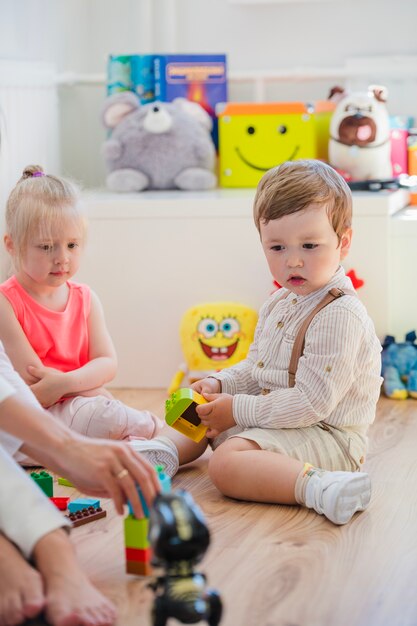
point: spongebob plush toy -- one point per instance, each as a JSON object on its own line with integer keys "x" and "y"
{"x": 213, "y": 335}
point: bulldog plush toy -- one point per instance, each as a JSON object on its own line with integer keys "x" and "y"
{"x": 359, "y": 144}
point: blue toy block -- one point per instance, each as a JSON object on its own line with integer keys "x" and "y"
{"x": 82, "y": 503}
{"x": 165, "y": 482}
{"x": 164, "y": 479}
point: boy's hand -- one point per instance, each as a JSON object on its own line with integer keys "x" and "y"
{"x": 50, "y": 386}
{"x": 217, "y": 414}
{"x": 207, "y": 385}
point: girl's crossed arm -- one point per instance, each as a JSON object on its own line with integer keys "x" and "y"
{"x": 88, "y": 379}
{"x": 47, "y": 383}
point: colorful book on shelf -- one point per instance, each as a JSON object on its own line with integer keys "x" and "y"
{"x": 132, "y": 72}
{"x": 201, "y": 78}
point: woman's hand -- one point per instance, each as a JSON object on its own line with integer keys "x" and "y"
{"x": 108, "y": 469}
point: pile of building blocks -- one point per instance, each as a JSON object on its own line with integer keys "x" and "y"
{"x": 180, "y": 413}
{"x": 44, "y": 480}
{"x": 136, "y": 533}
{"x": 86, "y": 515}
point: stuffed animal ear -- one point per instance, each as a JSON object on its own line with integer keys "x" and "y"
{"x": 117, "y": 106}
{"x": 379, "y": 92}
{"x": 197, "y": 111}
{"x": 336, "y": 93}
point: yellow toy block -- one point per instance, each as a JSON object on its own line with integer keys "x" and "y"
{"x": 255, "y": 137}
{"x": 180, "y": 413}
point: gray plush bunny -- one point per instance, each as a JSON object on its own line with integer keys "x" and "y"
{"x": 160, "y": 145}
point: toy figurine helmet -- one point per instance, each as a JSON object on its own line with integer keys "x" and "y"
{"x": 178, "y": 531}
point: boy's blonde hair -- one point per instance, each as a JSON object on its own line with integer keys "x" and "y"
{"x": 294, "y": 185}
{"x": 38, "y": 203}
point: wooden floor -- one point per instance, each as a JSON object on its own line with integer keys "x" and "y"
{"x": 287, "y": 566}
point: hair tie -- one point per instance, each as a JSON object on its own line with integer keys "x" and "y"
{"x": 37, "y": 174}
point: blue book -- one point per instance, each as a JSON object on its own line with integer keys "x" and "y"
{"x": 201, "y": 78}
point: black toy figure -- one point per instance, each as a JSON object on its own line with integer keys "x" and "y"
{"x": 179, "y": 538}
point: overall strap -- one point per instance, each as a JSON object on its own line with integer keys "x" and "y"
{"x": 298, "y": 347}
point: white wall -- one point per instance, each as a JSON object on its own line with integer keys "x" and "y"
{"x": 78, "y": 35}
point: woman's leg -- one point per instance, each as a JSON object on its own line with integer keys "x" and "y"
{"x": 22, "y": 595}
{"x": 71, "y": 599}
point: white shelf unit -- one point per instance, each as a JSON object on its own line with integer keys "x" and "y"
{"x": 151, "y": 256}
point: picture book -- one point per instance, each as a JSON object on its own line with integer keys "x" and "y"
{"x": 133, "y": 72}
{"x": 201, "y": 78}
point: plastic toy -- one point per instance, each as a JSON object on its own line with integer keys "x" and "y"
{"x": 160, "y": 145}
{"x": 60, "y": 503}
{"x": 360, "y": 143}
{"x": 84, "y": 516}
{"x": 65, "y": 482}
{"x": 164, "y": 481}
{"x": 44, "y": 480}
{"x": 399, "y": 367}
{"x": 179, "y": 538}
{"x": 82, "y": 503}
{"x": 258, "y": 136}
{"x": 137, "y": 547}
{"x": 180, "y": 413}
{"x": 213, "y": 335}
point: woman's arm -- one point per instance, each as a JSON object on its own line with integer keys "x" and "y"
{"x": 91, "y": 464}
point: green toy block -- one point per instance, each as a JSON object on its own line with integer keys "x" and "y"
{"x": 180, "y": 413}
{"x": 44, "y": 480}
{"x": 136, "y": 532}
{"x": 65, "y": 481}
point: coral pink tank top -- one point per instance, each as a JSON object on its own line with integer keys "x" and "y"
{"x": 59, "y": 338}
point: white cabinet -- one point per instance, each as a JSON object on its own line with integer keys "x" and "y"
{"x": 151, "y": 256}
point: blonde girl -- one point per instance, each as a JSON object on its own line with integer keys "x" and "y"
{"x": 53, "y": 329}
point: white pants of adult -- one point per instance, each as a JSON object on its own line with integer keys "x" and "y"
{"x": 26, "y": 514}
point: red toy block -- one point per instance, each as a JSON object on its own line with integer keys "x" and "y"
{"x": 143, "y": 555}
{"x": 139, "y": 568}
{"x": 60, "y": 503}
{"x": 89, "y": 514}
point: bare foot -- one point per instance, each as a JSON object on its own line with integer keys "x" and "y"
{"x": 71, "y": 599}
{"x": 21, "y": 586}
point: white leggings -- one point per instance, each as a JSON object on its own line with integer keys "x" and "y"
{"x": 107, "y": 418}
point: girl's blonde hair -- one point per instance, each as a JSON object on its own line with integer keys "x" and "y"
{"x": 38, "y": 204}
{"x": 294, "y": 185}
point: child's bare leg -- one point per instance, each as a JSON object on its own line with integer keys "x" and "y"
{"x": 188, "y": 450}
{"x": 71, "y": 599}
{"x": 21, "y": 587}
{"x": 170, "y": 449}
{"x": 240, "y": 469}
